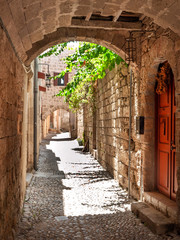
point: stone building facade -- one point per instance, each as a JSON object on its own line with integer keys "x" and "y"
{"x": 107, "y": 127}
{"x": 15, "y": 103}
{"x": 54, "y": 111}
{"x": 30, "y": 27}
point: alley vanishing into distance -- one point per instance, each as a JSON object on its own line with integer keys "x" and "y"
{"x": 72, "y": 197}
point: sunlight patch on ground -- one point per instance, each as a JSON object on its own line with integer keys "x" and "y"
{"x": 89, "y": 189}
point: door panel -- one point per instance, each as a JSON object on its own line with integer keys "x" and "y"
{"x": 164, "y": 129}
{"x": 164, "y": 171}
{"x": 164, "y": 133}
{"x": 173, "y": 148}
{"x": 166, "y": 153}
{"x": 164, "y": 100}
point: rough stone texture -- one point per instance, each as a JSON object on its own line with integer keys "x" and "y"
{"x": 80, "y": 124}
{"x": 11, "y": 120}
{"x": 50, "y": 104}
{"x": 72, "y": 197}
{"x": 33, "y": 35}
{"x": 112, "y": 124}
{"x": 30, "y": 125}
{"x": 154, "y": 51}
{"x": 44, "y": 17}
{"x": 155, "y": 220}
{"x": 112, "y": 128}
{"x": 162, "y": 203}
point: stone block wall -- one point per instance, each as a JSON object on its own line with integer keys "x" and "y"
{"x": 12, "y": 165}
{"x": 110, "y": 132}
{"x": 49, "y": 101}
{"x": 30, "y": 127}
{"x": 80, "y": 124}
{"x": 160, "y": 47}
{"x": 64, "y": 120}
{"x": 113, "y": 94}
{"x": 45, "y": 126}
{"x": 112, "y": 112}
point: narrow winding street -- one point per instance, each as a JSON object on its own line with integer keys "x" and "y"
{"x": 72, "y": 197}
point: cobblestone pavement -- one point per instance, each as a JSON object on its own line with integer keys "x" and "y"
{"x": 72, "y": 197}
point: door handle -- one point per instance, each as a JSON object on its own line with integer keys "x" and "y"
{"x": 172, "y": 148}
{"x": 164, "y": 126}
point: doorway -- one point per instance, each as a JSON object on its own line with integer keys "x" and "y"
{"x": 165, "y": 135}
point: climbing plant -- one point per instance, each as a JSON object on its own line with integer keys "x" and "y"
{"x": 163, "y": 78}
{"x": 90, "y": 62}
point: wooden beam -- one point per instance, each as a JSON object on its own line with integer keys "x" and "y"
{"x": 88, "y": 16}
{"x": 109, "y": 25}
{"x": 118, "y": 14}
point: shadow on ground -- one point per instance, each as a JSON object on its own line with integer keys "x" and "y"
{"x": 84, "y": 203}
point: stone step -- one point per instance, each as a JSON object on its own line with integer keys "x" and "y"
{"x": 162, "y": 203}
{"x": 29, "y": 177}
{"x": 155, "y": 220}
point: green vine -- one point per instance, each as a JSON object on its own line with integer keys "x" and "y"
{"x": 90, "y": 62}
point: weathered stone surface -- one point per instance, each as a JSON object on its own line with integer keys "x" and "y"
{"x": 52, "y": 105}
{"x": 34, "y": 25}
{"x": 162, "y": 203}
{"x": 79, "y": 200}
{"x": 19, "y": 13}
{"x": 66, "y": 7}
{"x": 155, "y": 220}
{"x": 113, "y": 108}
{"x": 64, "y": 20}
{"x": 112, "y": 128}
{"x": 32, "y": 11}
{"x": 36, "y": 36}
{"x": 49, "y": 15}
{"x": 11, "y": 106}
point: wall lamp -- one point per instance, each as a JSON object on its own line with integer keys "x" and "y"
{"x": 48, "y": 80}
{"x": 48, "y": 76}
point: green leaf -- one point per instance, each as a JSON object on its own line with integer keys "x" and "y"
{"x": 90, "y": 62}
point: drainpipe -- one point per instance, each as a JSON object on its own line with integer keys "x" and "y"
{"x": 130, "y": 115}
{"x": 141, "y": 192}
{"x": 35, "y": 112}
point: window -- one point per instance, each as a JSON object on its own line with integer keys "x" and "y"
{"x": 61, "y": 81}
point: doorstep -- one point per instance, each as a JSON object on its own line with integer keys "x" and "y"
{"x": 29, "y": 177}
{"x": 162, "y": 203}
{"x": 155, "y": 220}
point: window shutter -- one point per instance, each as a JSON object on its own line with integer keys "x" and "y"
{"x": 66, "y": 79}
{"x": 56, "y": 80}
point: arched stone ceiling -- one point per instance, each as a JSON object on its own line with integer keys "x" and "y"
{"x": 113, "y": 40}
{"x": 54, "y": 108}
{"x": 33, "y": 25}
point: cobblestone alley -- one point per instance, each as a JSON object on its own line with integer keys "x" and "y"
{"x": 72, "y": 197}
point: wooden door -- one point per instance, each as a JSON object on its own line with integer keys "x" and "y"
{"x": 173, "y": 147}
{"x": 166, "y": 153}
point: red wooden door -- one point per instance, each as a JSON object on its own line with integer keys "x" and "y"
{"x": 173, "y": 147}
{"x": 166, "y": 153}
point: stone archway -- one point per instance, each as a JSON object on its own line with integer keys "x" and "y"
{"x": 28, "y": 23}
{"x": 113, "y": 40}
{"x": 154, "y": 57}
{"x": 29, "y": 27}
{"x": 163, "y": 50}
{"x": 54, "y": 108}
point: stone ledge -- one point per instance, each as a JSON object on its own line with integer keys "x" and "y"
{"x": 29, "y": 177}
{"x": 156, "y": 221}
{"x": 95, "y": 154}
{"x": 162, "y": 203}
